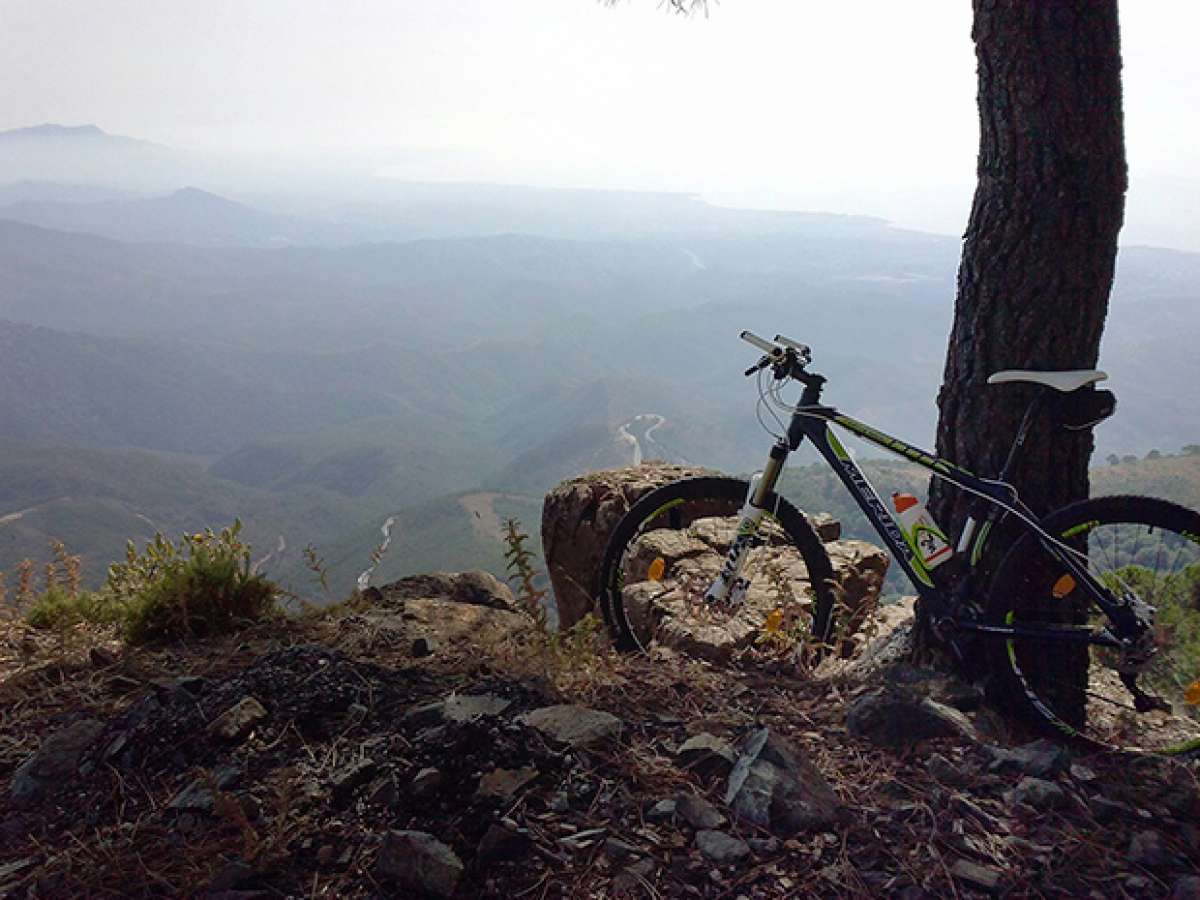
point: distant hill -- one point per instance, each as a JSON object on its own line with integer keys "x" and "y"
{"x": 186, "y": 216}
{"x": 55, "y": 192}
{"x": 96, "y": 500}
{"x": 87, "y": 154}
{"x": 1171, "y": 476}
{"x": 53, "y": 135}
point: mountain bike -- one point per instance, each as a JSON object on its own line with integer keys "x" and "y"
{"x": 1090, "y": 624}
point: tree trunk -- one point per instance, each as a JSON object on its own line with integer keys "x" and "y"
{"x": 1041, "y": 243}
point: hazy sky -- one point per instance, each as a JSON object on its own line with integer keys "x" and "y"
{"x": 863, "y": 106}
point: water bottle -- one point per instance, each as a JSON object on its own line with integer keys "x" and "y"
{"x": 923, "y": 534}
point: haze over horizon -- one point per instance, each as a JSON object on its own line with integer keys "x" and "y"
{"x": 864, "y": 109}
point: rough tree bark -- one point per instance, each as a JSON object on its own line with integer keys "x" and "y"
{"x": 1041, "y": 242}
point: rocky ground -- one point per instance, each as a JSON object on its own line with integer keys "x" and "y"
{"x": 427, "y": 742}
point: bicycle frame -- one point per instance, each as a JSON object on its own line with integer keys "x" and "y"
{"x": 814, "y": 421}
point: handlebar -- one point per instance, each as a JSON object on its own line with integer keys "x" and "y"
{"x": 777, "y": 353}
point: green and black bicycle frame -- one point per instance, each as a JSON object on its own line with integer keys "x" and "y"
{"x": 954, "y": 611}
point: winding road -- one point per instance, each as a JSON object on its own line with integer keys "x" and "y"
{"x": 274, "y": 554}
{"x": 623, "y": 434}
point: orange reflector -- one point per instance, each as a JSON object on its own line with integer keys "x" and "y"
{"x": 1062, "y": 587}
{"x": 1192, "y": 694}
{"x": 774, "y": 622}
{"x": 657, "y": 568}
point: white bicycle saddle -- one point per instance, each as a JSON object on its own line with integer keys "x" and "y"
{"x": 1071, "y": 380}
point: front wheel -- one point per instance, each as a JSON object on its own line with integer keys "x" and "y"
{"x": 1143, "y": 698}
{"x": 666, "y": 551}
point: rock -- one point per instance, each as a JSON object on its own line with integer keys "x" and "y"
{"x": 697, "y": 811}
{"x": 417, "y": 860}
{"x": 237, "y": 721}
{"x": 707, "y": 752}
{"x": 1082, "y": 773}
{"x": 426, "y": 782}
{"x": 502, "y": 841}
{"x": 828, "y": 528}
{"x": 575, "y": 726}
{"x": 1039, "y": 794}
{"x": 1041, "y": 759}
{"x": 1186, "y": 888}
{"x": 891, "y": 642}
{"x": 460, "y": 623}
{"x": 351, "y": 777}
{"x": 1146, "y": 849}
{"x": 860, "y": 569}
{"x": 578, "y": 517}
{"x": 502, "y": 784}
{"x": 773, "y": 786}
{"x": 898, "y": 717}
{"x": 981, "y": 877}
{"x": 469, "y": 707}
{"x": 633, "y": 879}
{"x": 662, "y": 810}
{"x": 764, "y": 846}
{"x": 195, "y": 796}
{"x": 56, "y": 761}
{"x": 721, "y": 848}
{"x": 662, "y": 611}
{"x": 473, "y": 588}
{"x": 458, "y": 708}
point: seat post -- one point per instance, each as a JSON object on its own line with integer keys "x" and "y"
{"x": 1014, "y": 452}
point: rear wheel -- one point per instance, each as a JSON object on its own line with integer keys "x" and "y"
{"x": 665, "y": 552}
{"x": 1148, "y": 700}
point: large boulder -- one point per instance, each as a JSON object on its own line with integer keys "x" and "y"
{"x": 474, "y": 588}
{"x": 580, "y": 514}
{"x": 664, "y": 610}
{"x": 577, "y": 518}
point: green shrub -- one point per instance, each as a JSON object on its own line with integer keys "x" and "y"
{"x": 211, "y": 592}
{"x": 199, "y": 587}
{"x": 59, "y": 608}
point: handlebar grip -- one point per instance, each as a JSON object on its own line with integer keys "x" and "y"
{"x": 765, "y": 346}
{"x": 802, "y": 349}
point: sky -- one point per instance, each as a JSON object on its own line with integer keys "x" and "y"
{"x": 863, "y": 106}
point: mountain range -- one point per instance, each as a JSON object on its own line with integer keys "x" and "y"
{"x": 486, "y": 342}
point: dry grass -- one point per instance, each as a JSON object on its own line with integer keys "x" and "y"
{"x": 904, "y": 827}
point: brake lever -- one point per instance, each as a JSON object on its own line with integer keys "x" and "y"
{"x": 759, "y": 366}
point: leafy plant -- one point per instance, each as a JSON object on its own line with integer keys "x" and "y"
{"x": 200, "y": 587}
{"x": 315, "y": 564}
{"x": 59, "y": 609}
{"x": 203, "y": 585}
{"x": 519, "y": 561}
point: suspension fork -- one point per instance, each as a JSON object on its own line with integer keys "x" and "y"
{"x": 729, "y": 586}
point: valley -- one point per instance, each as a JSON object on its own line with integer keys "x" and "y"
{"x": 172, "y": 358}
